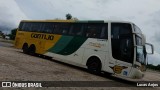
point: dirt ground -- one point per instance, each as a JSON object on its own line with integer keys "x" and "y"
{"x": 16, "y": 66}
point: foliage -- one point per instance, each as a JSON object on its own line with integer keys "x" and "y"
{"x": 150, "y": 66}
{"x": 68, "y": 16}
{"x": 13, "y": 34}
{"x": 2, "y": 34}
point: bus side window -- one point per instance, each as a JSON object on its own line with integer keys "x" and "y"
{"x": 48, "y": 28}
{"x": 57, "y": 28}
{"x": 91, "y": 32}
{"x": 24, "y": 26}
{"x": 35, "y": 27}
{"x": 122, "y": 46}
{"x": 76, "y": 29}
{"x": 94, "y": 30}
{"x": 30, "y": 27}
{"x": 104, "y": 32}
{"x": 41, "y": 27}
{"x": 64, "y": 28}
{"x": 21, "y": 26}
{"x": 27, "y": 26}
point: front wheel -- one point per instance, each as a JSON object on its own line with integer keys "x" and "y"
{"x": 94, "y": 66}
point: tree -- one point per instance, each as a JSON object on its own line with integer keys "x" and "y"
{"x": 151, "y": 66}
{"x": 68, "y": 16}
{"x": 13, "y": 34}
{"x": 0, "y": 32}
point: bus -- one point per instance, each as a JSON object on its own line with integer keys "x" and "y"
{"x": 115, "y": 47}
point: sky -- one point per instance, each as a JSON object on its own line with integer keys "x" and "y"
{"x": 144, "y": 13}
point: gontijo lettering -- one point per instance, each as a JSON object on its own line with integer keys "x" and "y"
{"x": 42, "y": 36}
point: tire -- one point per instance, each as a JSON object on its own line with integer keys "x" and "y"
{"x": 32, "y": 50}
{"x": 94, "y": 66}
{"x": 25, "y": 48}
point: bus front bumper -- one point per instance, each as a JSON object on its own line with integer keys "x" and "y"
{"x": 137, "y": 74}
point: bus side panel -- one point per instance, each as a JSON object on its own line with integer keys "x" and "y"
{"x": 20, "y": 39}
{"x": 47, "y": 44}
{"x": 96, "y": 47}
{"x": 74, "y": 58}
{"x": 77, "y": 56}
{"x": 68, "y": 48}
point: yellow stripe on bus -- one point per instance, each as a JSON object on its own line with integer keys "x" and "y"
{"x": 42, "y": 41}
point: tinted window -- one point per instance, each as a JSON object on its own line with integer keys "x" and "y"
{"x": 21, "y": 26}
{"x": 93, "y": 30}
{"x": 31, "y": 26}
{"x": 35, "y": 27}
{"x": 47, "y": 27}
{"x": 61, "y": 28}
{"x": 76, "y": 29}
{"x": 138, "y": 40}
{"x": 104, "y": 32}
{"x": 64, "y": 28}
{"x": 137, "y": 29}
{"x": 120, "y": 29}
{"x": 140, "y": 55}
{"x": 27, "y": 26}
{"x": 122, "y": 42}
{"x": 57, "y": 28}
{"x": 97, "y": 30}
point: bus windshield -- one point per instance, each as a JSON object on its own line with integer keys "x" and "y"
{"x": 137, "y": 29}
{"x": 140, "y": 48}
{"x": 140, "y": 55}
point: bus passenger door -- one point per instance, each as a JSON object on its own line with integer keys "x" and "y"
{"x": 122, "y": 48}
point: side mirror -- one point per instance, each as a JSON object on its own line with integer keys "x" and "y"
{"x": 149, "y": 48}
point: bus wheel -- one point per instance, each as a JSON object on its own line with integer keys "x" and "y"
{"x": 25, "y": 48}
{"x": 32, "y": 49}
{"x": 94, "y": 66}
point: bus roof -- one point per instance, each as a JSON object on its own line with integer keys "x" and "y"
{"x": 78, "y": 21}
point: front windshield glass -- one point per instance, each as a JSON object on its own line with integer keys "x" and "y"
{"x": 140, "y": 49}
{"x": 137, "y": 29}
{"x": 140, "y": 55}
{"x": 138, "y": 40}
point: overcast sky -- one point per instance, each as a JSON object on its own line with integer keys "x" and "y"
{"x": 144, "y": 13}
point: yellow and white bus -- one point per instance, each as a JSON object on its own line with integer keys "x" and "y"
{"x": 116, "y": 47}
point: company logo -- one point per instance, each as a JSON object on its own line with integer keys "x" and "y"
{"x": 6, "y": 84}
{"x": 21, "y": 84}
{"x": 42, "y": 36}
{"x": 118, "y": 69}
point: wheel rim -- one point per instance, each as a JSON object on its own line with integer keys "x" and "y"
{"x": 94, "y": 67}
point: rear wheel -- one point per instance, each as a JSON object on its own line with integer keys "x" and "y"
{"x": 32, "y": 50}
{"x": 94, "y": 66}
{"x": 25, "y": 48}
